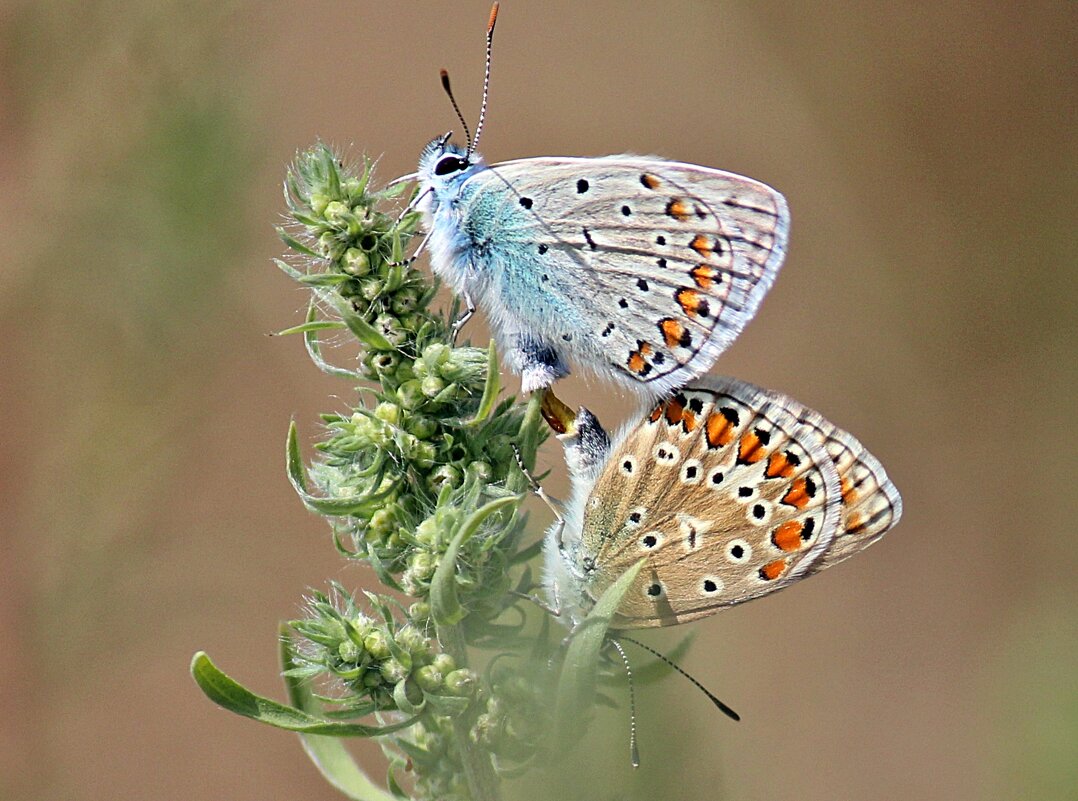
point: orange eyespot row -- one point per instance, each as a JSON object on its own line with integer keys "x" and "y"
{"x": 772, "y": 570}
{"x": 750, "y": 450}
{"x": 637, "y": 364}
{"x": 688, "y": 422}
{"x": 787, "y": 537}
{"x": 719, "y": 430}
{"x": 650, "y": 181}
{"x": 704, "y": 275}
{"x": 798, "y": 495}
{"x": 778, "y": 465}
{"x": 691, "y": 302}
{"x": 849, "y": 492}
{"x": 675, "y": 410}
{"x": 678, "y": 209}
{"x": 674, "y": 333}
{"x": 702, "y": 245}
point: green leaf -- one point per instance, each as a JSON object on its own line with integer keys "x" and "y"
{"x": 330, "y": 507}
{"x": 296, "y": 245}
{"x": 314, "y": 348}
{"x": 316, "y": 325}
{"x": 444, "y": 605}
{"x": 227, "y": 693}
{"x": 490, "y": 389}
{"x": 289, "y": 270}
{"x": 364, "y": 331}
{"x": 327, "y": 753}
{"x": 576, "y": 685}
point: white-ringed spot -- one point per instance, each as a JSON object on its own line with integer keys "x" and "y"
{"x": 667, "y": 454}
{"x": 690, "y": 472}
{"x": 628, "y": 465}
{"x": 738, "y": 551}
{"x": 759, "y": 513}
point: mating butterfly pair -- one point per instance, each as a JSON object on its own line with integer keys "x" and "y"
{"x": 644, "y": 270}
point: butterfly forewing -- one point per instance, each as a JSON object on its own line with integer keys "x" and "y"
{"x": 724, "y": 492}
{"x": 661, "y": 263}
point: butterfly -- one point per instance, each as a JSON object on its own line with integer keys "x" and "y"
{"x": 726, "y": 491}
{"x": 636, "y": 268}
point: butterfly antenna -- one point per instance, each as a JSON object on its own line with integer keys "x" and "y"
{"x": 634, "y": 754}
{"x": 486, "y": 78}
{"x": 456, "y": 108}
{"x": 722, "y": 707}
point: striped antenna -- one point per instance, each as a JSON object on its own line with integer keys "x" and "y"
{"x": 486, "y": 79}
{"x": 456, "y": 108}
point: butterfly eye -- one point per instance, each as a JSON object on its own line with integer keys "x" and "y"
{"x": 450, "y": 164}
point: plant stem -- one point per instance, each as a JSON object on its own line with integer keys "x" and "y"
{"x": 478, "y": 771}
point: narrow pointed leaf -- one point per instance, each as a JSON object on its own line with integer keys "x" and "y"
{"x": 227, "y": 693}
{"x": 576, "y": 685}
{"x": 490, "y": 389}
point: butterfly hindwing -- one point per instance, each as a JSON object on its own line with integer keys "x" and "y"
{"x": 651, "y": 268}
{"x": 729, "y": 492}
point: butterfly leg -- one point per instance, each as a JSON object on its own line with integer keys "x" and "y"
{"x": 464, "y": 318}
{"x": 538, "y": 363}
{"x": 415, "y": 254}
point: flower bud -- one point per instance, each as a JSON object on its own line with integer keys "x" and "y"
{"x": 356, "y": 262}
{"x": 393, "y": 671}
{"x": 375, "y": 644}
{"x": 461, "y": 682}
{"x": 429, "y": 678}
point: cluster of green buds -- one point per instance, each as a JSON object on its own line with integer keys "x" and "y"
{"x": 398, "y": 476}
{"x": 378, "y": 663}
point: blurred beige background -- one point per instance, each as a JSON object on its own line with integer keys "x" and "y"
{"x": 928, "y": 154}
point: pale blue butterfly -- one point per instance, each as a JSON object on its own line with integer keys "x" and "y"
{"x": 637, "y": 268}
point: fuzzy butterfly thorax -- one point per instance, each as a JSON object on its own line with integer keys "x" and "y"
{"x": 639, "y": 269}
{"x": 726, "y": 491}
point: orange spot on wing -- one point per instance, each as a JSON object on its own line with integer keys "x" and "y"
{"x": 702, "y": 245}
{"x": 787, "y": 537}
{"x": 854, "y": 522}
{"x": 704, "y": 275}
{"x": 674, "y": 333}
{"x": 750, "y": 450}
{"x": 779, "y": 465}
{"x": 692, "y": 302}
{"x": 656, "y": 413}
{"x": 636, "y": 362}
{"x": 772, "y": 570}
{"x": 650, "y": 181}
{"x": 675, "y": 410}
{"x": 798, "y": 495}
{"x": 678, "y": 209}
{"x": 719, "y": 430}
{"x": 645, "y": 349}
{"x": 849, "y": 492}
{"x": 688, "y": 422}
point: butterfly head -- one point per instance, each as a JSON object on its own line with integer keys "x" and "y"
{"x": 443, "y": 163}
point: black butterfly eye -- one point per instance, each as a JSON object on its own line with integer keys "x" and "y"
{"x": 450, "y": 164}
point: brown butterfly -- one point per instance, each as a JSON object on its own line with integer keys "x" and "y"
{"x": 727, "y": 492}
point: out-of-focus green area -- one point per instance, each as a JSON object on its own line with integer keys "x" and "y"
{"x": 927, "y": 304}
